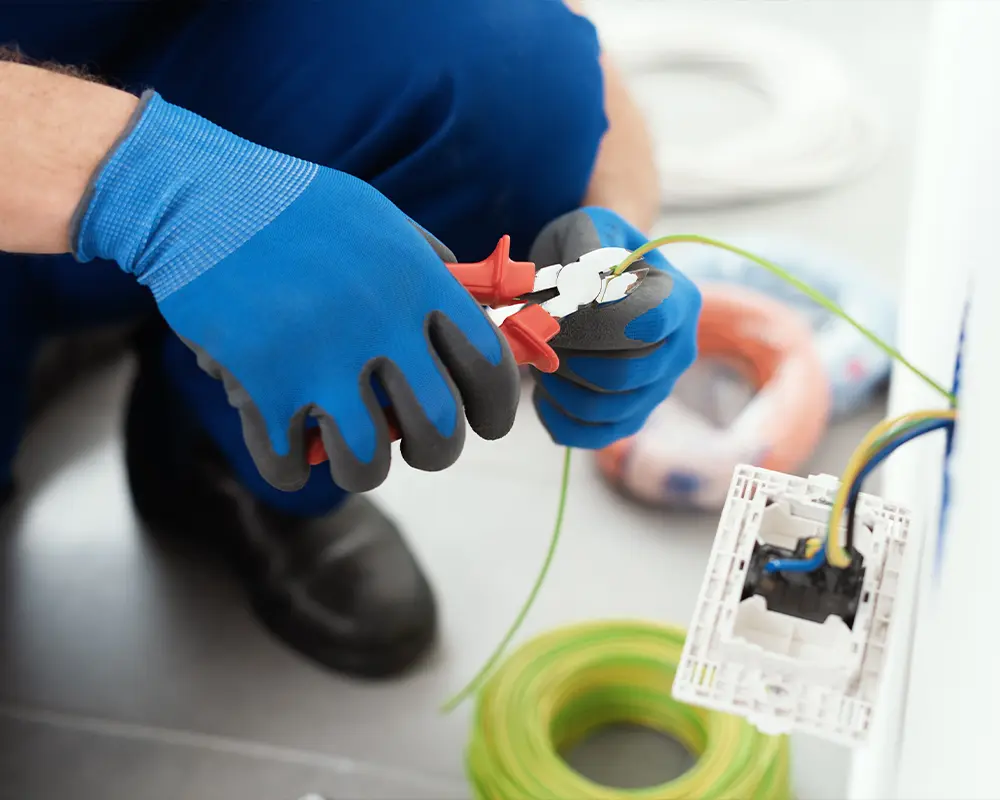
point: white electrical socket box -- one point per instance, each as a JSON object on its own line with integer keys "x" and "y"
{"x": 779, "y": 670}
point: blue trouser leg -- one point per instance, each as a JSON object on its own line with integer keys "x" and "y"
{"x": 47, "y": 296}
{"x": 477, "y": 119}
{"x": 19, "y": 338}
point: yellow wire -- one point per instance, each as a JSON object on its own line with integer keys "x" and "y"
{"x": 835, "y": 553}
{"x": 812, "y": 545}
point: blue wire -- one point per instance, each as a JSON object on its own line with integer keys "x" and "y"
{"x": 798, "y": 564}
{"x": 887, "y": 449}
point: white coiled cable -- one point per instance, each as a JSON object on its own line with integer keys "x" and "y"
{"x": 820, "y": 131}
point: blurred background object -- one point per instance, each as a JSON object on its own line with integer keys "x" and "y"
{"x": 819, "y": 127}
{"x": 856, "y": 368}
{"x": 685, "y": 454}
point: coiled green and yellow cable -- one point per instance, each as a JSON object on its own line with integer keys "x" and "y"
{"x": 564, "y": 685}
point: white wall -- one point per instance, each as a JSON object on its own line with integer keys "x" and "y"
{"x": 953, "y": 702}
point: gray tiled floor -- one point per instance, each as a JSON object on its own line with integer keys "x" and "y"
{"x": 47, "y": 755}
{"x": 118, "y": 651}
{"x": 130, "y": 668}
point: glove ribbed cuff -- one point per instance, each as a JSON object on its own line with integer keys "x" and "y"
{"x": 177, "y": 194}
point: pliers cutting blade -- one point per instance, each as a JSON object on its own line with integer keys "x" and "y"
{"x": 526, "y": 303}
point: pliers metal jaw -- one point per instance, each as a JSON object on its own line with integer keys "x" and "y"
{"x": 527, "y": 303}
{"x": 589, "y": 280}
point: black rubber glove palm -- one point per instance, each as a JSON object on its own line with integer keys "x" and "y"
{"x": 617, "y": 361}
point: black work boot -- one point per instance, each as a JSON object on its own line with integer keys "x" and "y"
{"x": 343, "y": 589}
{"x": 53, "y": 369}
{"x": 8, "y": 510}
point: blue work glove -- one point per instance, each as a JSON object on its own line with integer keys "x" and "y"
{"x": 617, "y": 361}
{"x": 306, "y": 292}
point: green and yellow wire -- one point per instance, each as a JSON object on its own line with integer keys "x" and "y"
{"x": 491, "y": 662}
{"x": 787, "y": 277}
{"x": 562, "y": 686}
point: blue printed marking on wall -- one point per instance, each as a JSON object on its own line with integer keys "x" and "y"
{"x": 946, "y": 476}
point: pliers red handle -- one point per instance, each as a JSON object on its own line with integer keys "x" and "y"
{"x": 495, "y": 282}
{"x": 499, "y": 281}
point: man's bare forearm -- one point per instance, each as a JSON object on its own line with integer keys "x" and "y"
{"x": 54, "y": 131}
{"x": 624, "y": 177}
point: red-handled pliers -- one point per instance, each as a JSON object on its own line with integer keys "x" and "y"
{"x": 527, "y": 304}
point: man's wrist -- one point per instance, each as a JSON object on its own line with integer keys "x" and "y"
{"x": 56, "y": 131}
{"x": 85, "y": 197}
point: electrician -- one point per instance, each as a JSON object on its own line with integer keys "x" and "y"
{"x": 266, "y": 187}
